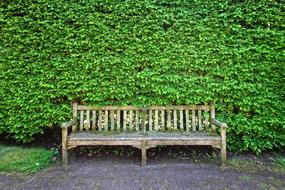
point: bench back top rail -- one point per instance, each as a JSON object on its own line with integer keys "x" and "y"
{"x": 143, "y": 119}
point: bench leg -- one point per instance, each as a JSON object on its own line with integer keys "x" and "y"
{"x": 224, "y": 148}
{"x": 64, "y": 157}
{"x": 64, "y": 147}
{"x": 143, "y": 151}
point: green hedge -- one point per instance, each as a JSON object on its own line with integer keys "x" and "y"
{"x": 163, "y": 52}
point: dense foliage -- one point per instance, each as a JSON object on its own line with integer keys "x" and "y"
{"x": 162, "y": 52}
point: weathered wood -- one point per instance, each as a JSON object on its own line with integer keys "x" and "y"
{"x": 124, "y": 120}
{"x": 143, "y": 150}
{"x": 74, "y": 116}
{"x": 213, "y": 116}
{"x": 106, "y": 119}
{"x": 105, "y": 143}
{"x": 168, "y": 120}
{"x": 81, "y": 120}
{"x": 206, "y": 122}
{"x": 162, "y": 120}
{"x": 131, "y": 127}
{"x": 193, "y": 121}
{"x": 187, "y": 120}
{"x": 223, "y": 146}
{"x": 175, "y": 119}
{"x": 145, "y": 140}
{"x": 100, "y": 121}
{"x": 144, "y": 121}
{"x": 112, "y": 120}
{"x": 150, "y": 120}
{"x": 64, "y": 147}
{"x": 199, "y": 142}
{"x": 69, "y": 124}
{"x": 155, "y": 135}
{"x": 87, "y": 125}
{"x": 202, "y": 107}
{"x": 94, "y": 120}
{"x": 200, "y": 120}
{"x": 137, "y": 121}
{"x": 156, "y": 120}
{"x": 181, "y": 119}
{"x": 218, "y": 123}
{"x": 118, "y": 120}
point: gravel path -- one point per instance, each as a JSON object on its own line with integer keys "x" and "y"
{"x": 108, "y": 173}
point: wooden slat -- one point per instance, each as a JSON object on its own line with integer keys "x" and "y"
{"x": 213, "y": 116}
{"x": 81, "y": 120}
{"x": 118, "y": 120}
{"x": 162, "y": 120}
{"x": 131, "y": 120}
{"x": 202, "y": 107}
{"x": 137, "y": 121}
{"x": 100, "y": 121}
{"x": 144, "y": 121}
{"x": 168, "y": 120}
{"x": 87, "y": 126}
{"x": 125, "y": 120}
{"x": 206, "y": 122}
{"x": 156, "y": 120}
{"x": 112, "y": 120}
{"x": 93, "y": 120}
{"x": 193, "y": 120}
{"x": 74, "y": 116}
{"x": 181, "y": 119}
{"x": 106, "y": 120}
{"x": 200, "y": 120}
{"x": 150, "y": 120}
{"x": 175, "y": 119}
{"x": 187, "y": 120}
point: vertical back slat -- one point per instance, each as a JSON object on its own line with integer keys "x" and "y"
{"x": 118, "y": 120}
{"x": 137, "y": 121}
{"x": 175, "y": 119}
{"x": 100, "y": 120}
{"x": 81, "y": 120}
{"x": 124, "y": 120}
{"x": 144, "y": 121}
{"x": 187, "y": 120}
{"x": 106, "y": 120}
{"x": 74, "y": 115}
{"x": 200, "y": 120}
{"x": 206, "y": 121}
{"x": 156, "y": 120}
{"x": 193, "y": 120}
{"x": 162, "y": 120}
{"x": 150, "y": 120}
{"x": 213, "y": 116}
{"x": 112, "y": 120}
{"x": 181, "y": 119}
{"x": 88, "y": 120}
{"x": 168, "y": 120}
{"x": 131, "y": 120}
{"x": 93, "y": 120}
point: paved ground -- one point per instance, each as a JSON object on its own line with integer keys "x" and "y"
{"x": 162, "y": 172}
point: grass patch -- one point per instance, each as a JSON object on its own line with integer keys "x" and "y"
{"x": 24, "y": 160}
{"x": 280, "y": 161}
{"x": 275, "y": 164}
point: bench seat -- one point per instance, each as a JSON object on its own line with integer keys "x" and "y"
{"x": 135, "y": 136}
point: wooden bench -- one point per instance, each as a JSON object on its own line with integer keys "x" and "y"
{"x": 143, "y": 128}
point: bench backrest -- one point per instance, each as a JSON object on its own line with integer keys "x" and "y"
{"x": 154, "y": 118}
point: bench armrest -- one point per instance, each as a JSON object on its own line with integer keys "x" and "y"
{"x": 68, "y": 124}
{"x": 219, "y": 123}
